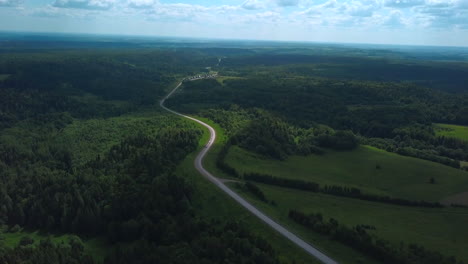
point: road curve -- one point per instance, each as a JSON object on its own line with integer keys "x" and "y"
{"x": 199, "y": 166}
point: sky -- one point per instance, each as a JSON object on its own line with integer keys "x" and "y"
{"x": 413, "y": 22}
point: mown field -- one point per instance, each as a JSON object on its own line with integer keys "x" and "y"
{"x": 370, "y": 169}
{"x": 455, "y": 131}
{"x": 442, "y": 230}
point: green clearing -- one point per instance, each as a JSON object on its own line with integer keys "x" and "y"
{"x": 464, "y": 164}
{"x": 4, "y": 77}
{"x": 87, "y": 138}
{"x": 221, "y": 79}
{"x": 460, "y": 132}
{"x": 442, "y": 230}
{"x": 96, "y": 247}
{"x": 398, "y": 176}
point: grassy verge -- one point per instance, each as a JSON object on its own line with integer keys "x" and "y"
{"x": 366, "y": 168}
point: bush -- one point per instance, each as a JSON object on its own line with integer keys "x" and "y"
{"x": 15, "y": 228}
{"x": 252, "y": 188}
{"x": 26, "y": 240}
{"x": 335, "y": 190}
{"x": 340, "y": 140}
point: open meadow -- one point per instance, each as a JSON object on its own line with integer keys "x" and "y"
{"x": 366, "y": 168}
{"x": 455, "y": 131}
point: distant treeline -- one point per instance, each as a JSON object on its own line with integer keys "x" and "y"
{"x": 377, "y": 248}
{"x": 447, "y": 151}
{"x": 88, "y": 83}
{"x": 397, "y": 111}
{"x": 354, "y": 193}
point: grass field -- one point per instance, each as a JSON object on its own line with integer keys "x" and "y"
{"x": 437, "y": 229}
{"x": 460, "y": 132}
{"x": 398, "y": 176}
{"x": 87, "y": 138}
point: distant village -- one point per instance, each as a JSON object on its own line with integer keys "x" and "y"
{"x": 201, "y": 76}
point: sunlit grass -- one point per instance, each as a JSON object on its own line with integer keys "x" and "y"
{"x": 455, "y": 131}
{"x": 370, "y": 169}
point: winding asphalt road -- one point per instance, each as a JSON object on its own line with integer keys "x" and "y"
{"x": 199, "y": 166}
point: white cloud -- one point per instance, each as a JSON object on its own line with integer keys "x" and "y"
{"x": 176, "y": 10}
{"x": 287, "y": 2}
{"x": 226, "y": 8}
{"x": 403, "y": 3}
{"x": 253, "y": 5}
{"x": 51, "y": 11}
{"x": 462, "y": 4}
{"x": 85, "y": 4}
{"x": 183, "y": 12}
{"x": 445, "y": 14}
{"x": 265, "y": 16}
{"x": 394, "y": 20}
{"x": 141, "y": 3}
{"x": 316, "y": 10}
{"x": 268, "y": 15}
{"x": 341, "y": 14}
{"x": 9, "y": 3}
{"x": 360, "y": 9}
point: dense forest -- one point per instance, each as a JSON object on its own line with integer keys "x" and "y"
{"x": 46, "y": 252}
{"x": 280, "y": 105}
{"x": 127, "y": 193}
{"x": 394, "y": 116}
{"x": 85, "y": 149}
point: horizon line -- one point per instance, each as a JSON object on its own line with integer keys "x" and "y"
{"x": 2, "y": 31}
